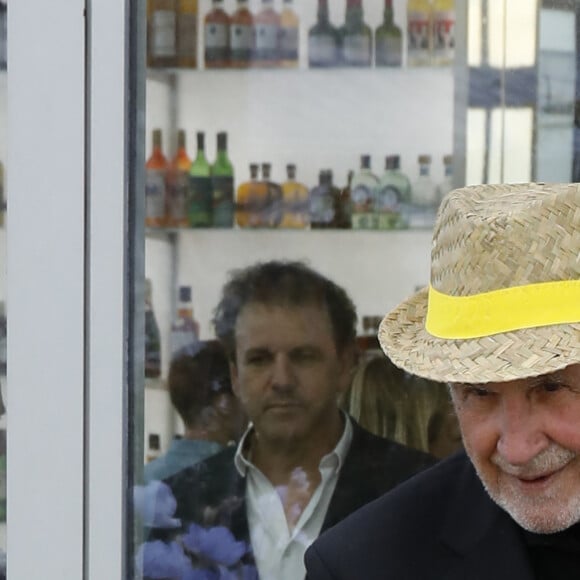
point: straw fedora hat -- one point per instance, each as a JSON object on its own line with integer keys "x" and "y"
{"x": 504, "y": 296}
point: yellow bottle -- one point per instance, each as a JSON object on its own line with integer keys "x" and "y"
{"x": 443, "y": 32}
{"x": 289, "y": 26}
{"x": 187, "y": 33}
{"x": 419, "y": 32}
{"x": 295, "y": 201}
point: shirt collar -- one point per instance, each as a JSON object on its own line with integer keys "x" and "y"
{"x": 243, "y": 460}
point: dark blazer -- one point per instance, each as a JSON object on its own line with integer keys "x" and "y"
{"x": 440, "y": 525}
{"x": 212, "y": 492}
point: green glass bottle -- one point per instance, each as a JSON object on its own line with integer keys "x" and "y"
{"x": 357, "y": 37}
{"x": 199, "y": 207}
{"x": 222, "y": 179}
{"x": 323, "y": 40}
{"x": 388, "y": 40}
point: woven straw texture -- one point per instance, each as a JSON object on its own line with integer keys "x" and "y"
{"x": 486, "y": 238}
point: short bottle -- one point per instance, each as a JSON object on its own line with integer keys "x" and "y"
{"x": 249, "y": 199}
{"x": 199, "y": 206}
{"x": 357, "y": 37}
{"x": 155, "y": 184}
{"x": 187, "y": 33}
{"x": 322, "y": 202}
{"x": 161, "y": 33}
{"x": 178, "y": 185}
{"x": 295, "y": 201}
{"x": 363, "y": 191}
{"x": 152, "y": 336}
{"x": 216, "y": 36}
{"x": 323, "y": 40}
{"x": 185, "y": 329}
{"x": 423, "y": 196}
{"x": 419, "y": 32}
{"x": 393, "y": 192}
{"x": 272, "y": 210}
{"x": 267, "y": 26}
{"x": 222, "y": 182}
{"x": 242, "y": 36}
{"x": 443, "y": 32}
{"x": 388, "y": 40}
{"x": 289, "y": 36}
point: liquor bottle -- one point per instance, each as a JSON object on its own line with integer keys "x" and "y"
{"x": 185, "y": 329}
{"x": 295, "y": 201}
{"x": 267, "y": 23}
{"x": 357, "y": 37}
{"x": 443, "y": 32}
{"x": 187, "y": 33}
{"x": 423, "y": 189}
{"x": 323, "y": 40}
{"x": 199, "y": 207}
{"x": 161, "y": 33}
{"x": 343, "y": 209}
{"x": 216, "y": 36}
{"x": 322, "y": 202}
{"x": 419, "y": 32}
{"x": 222, "y": 182}
{"x": 153, "y": 447}
{"x": 363, "y": 190}
{"x": 155, "y": 190}
{"x": 446, "y": 184}
{"x": 289, "y": 27}
{"x": 178, "y": 185}
{"x": 388, "y": 40}
{"x": 242, "y": 36}
{"x": 152, "y": 337}
{"x": 272, "y": 208}
{"x": 3, "y": 36}
{"x": 393, "y": 192}
{"x": 248, "y": 200}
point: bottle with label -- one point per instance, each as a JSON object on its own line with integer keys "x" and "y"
{"x": 267, "y": 26}
{"x": 363, "y": 191}
{"x": 152, "y": 337}
{"x": 295, "y": 201}
{"x": 357, "y": 37}
{"x": 446, "y": 185}
{"x": 323, "y": 40}
{"x": 393, "y": 192}
{"x": 222, "y": 181}
{"x": 187, "y": 33}
{"x": 161, "y": 33}
{"x": 443, "y": 32}
{"x": 322, "y": 202}
{"x": 289, "y": 36}
{"x": 272, "y": 209}
{"x": 242, "y": 36}
{"x": 216, "y": 36}
{"x": 423, "y": 197}
{"x": 388, "y": 40}
{"x": 248, "y": 200}
{"x": 199, "y": 207}
{"x": 419, "y": 32}
{"x": 177, "y": 184}
{"x": 155, "y": 188}
{"x": 185, "y": 329}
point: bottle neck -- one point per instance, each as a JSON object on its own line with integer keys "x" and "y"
{"x": 323, "y": 11}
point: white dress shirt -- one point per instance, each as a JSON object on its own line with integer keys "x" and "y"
{"x": 278, "y": 550}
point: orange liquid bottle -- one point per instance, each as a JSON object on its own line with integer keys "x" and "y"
{"x": 242, "y": 37}
{"x": 267, "y": 24}
{"x": 155, "y": 189}
{"x": 178, "y": 185}
{"x": 217, "y": 36}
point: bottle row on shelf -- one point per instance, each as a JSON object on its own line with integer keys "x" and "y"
{"x": 270, "y": 38}
{"x": 193, "y": 194}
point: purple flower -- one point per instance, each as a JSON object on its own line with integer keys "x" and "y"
{"x": 158, "y": 559}
{"x": 217, "y": 544}
{"x": 156, "y": 505}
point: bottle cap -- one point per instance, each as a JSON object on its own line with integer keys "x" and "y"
{"x": 185, "y": 293}
{"x": 291, "y": 170}
{"x": 424, "y": 159}
{"x": 222, "y": 141}
{"x": 200, "y": 135}
{"x": 392, "y": 162}
{"x": 448, "y": 159}
{"x": 365, "y": 161}
{"x": 254, "y": 170}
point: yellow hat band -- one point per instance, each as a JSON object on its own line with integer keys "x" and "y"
{"x": 530, "y": 306}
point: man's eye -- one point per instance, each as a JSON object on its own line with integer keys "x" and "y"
{"x": 257, "y": 359}
{"x": 551, "y": 386}
{"x": 479, "y": 392}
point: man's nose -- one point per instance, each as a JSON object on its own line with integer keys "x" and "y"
{"x": 521, "y": 430}
{"x": 282, "y": 373}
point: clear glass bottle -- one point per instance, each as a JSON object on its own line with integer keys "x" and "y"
{"x": 155, "y": 184}
{"x": 178, "y": 185}
{"x": 443, "y": 32}
{"x": 216, "y": 36}
{"x": 388, "y": 40}
{"x": 242, "y": 36}
{"x": 185, "y": 329}
{"x": 295, "y": 195}
{"x": 267, "y": 23}
{"x": 423, "y": 196}
{"x": 363, "y": 191}
{"x": 419, "y": 32}
{"x": 393, "y": 191}
{"x": 289, "y": 35}
{"x": 199, "y": 207}
{"x": 322, "y": 202}
{"x": 187, "y": 33}
{"x": 357, "y": 37}
{"x": 222, "y": 181}
{"x": 161, "y": 33}
{"x": 152, "y": 336}
{"x": 323, "y": 40}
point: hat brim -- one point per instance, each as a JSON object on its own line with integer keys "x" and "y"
{"x": 501, "y": 357}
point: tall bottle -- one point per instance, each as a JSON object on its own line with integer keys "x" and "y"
{"x": 161, "y": 33}
{"x": 155, "y": 188}
{"x": 388, "y": 40}
{"x": 3, "y": 35}
{"x": 272, "y": 209}
{"x": 267, "y": 23}
{"x": 289, "y": 36}
{"x": 393, "y": 192}
{"x": 216, "y": 36}
{"x": 295, "y": 201}
{"x": 178, "y": 185}
{"x": 443, "y": 32}
{"x": 199, "y": 207}
{"x": 242, "y": 37}
{"x": 343, "y": 206}
{"x": 357, "y": 39}
{"x": 152, "y": 336}
{"x": 323, "y": 40}
{"x": 249, "y": 199}
{"x": 322, "y": 202}
{"x": 419, "y": 32}
{"x": 187, "y": 33}
{"x": 185, "y": 329}
{"x": 446, "y": 184}
{"x": 222, "y": 181}
{"x": 363, "y": 191}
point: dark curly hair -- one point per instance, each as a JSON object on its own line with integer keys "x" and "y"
{"x": 283, "y": 283}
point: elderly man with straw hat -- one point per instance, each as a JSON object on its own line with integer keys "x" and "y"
{"x": 500, "y": 322}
